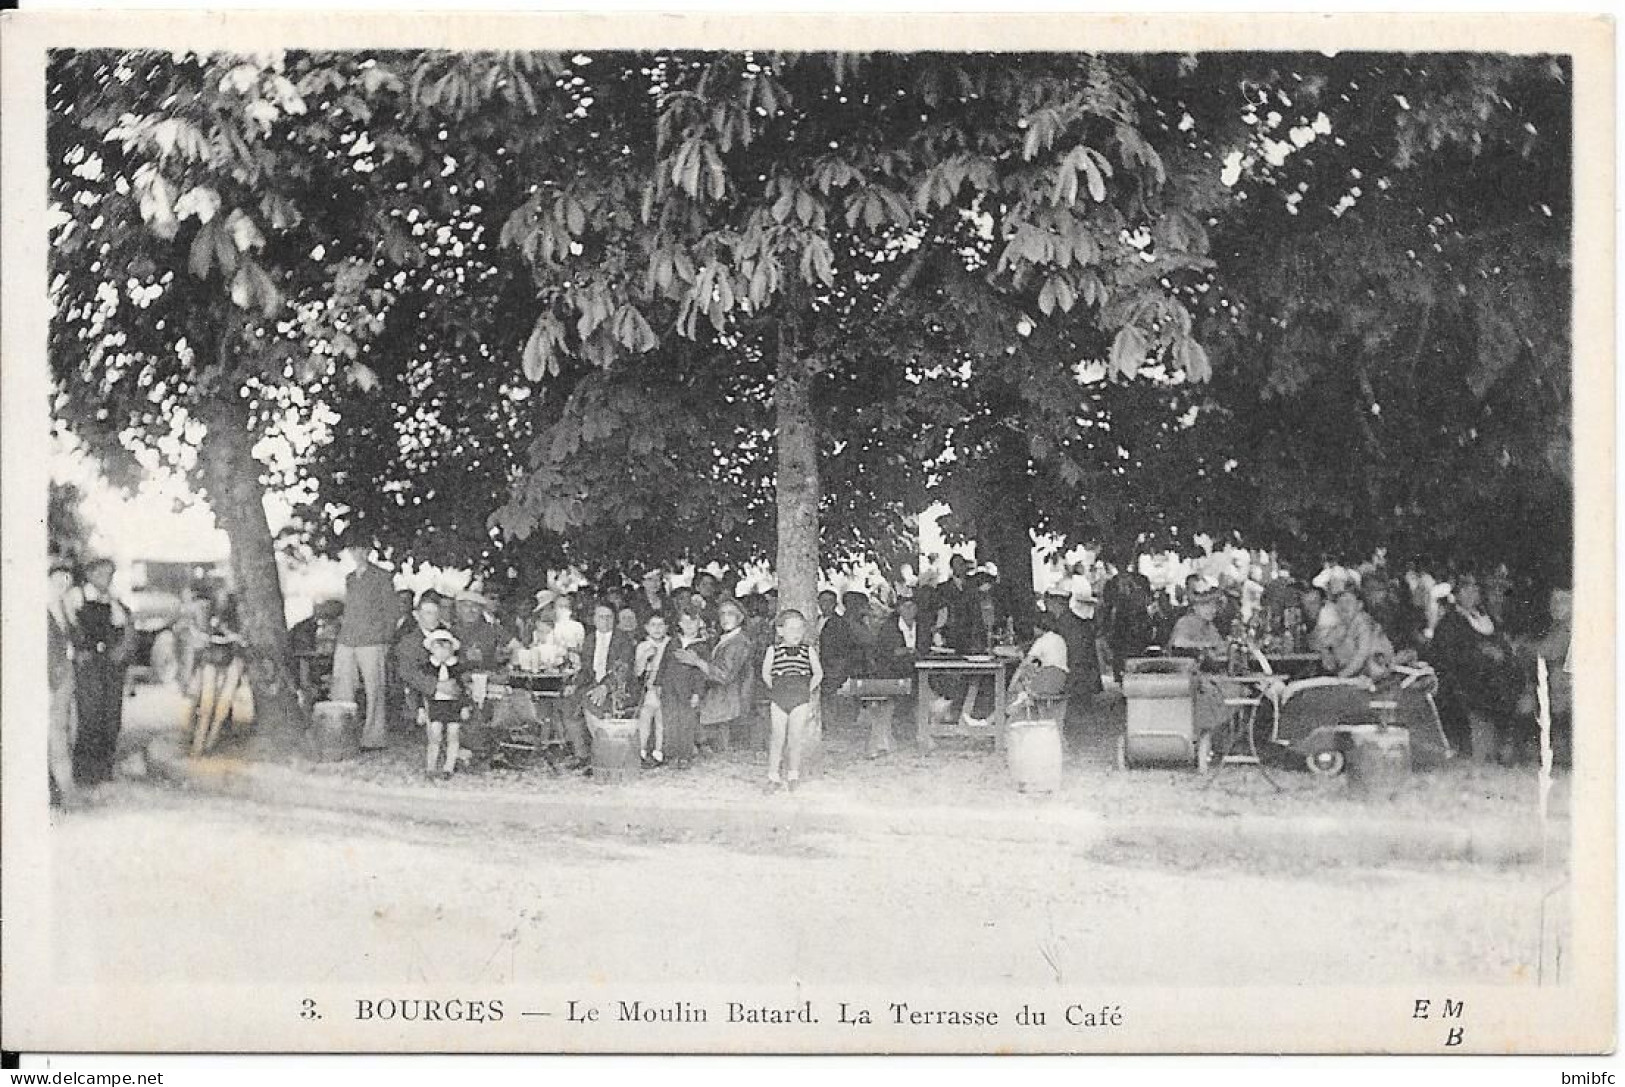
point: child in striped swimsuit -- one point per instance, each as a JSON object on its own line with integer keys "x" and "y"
{"x": 792, "y": 673}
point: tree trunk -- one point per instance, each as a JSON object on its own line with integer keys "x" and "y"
{"x": 1003, "y": 529}
{"x": 797, "y": 483}
{"x": 231, "y": 478}
{"x": 798, "y": 495}
{"x": 1010, "y": 546}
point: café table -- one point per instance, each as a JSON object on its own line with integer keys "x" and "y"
{"x": 976, "y": 666}
{"x": 529, "y": 705}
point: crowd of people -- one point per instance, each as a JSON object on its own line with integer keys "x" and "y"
{"x": 693, "y": 664}
{"x": 1362, "y": 622}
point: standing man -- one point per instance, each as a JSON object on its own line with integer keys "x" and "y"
{"x": 105, "y": 639}
{"x": 956, "y": 599}
{"x": 727, "y": 673}
{"x": 838, "y": 650}
{"x": 371, "y": 613}
{"x": 59, "y": 682}
{"x": 412, "y": 655}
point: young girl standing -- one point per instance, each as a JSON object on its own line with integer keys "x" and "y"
{"x": 792, "y": 673}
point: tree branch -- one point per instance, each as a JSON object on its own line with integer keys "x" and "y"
{"x": 906, "y": 280}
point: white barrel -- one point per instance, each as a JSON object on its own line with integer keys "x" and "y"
{"x": 1034, "y": 752}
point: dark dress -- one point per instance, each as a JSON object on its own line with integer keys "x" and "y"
{"x": 1083, "y": 664}
{"x": 964, "y": 631}
{"x": 1471, "y": 681}
{"x": 1127, "y": 602}
{"x": 678, "y": 692}
{"x": 102, "y": 651}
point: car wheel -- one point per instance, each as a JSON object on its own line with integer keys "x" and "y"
{"x": 1326, "y": 764}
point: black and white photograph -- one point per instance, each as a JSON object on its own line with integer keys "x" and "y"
{"x": 808, "y": 535}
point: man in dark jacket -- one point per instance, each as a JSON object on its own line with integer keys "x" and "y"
{"x": 412, "y": 656}
{"x": 483, "y": 640}
{"x": 365, "y": 634}
{"x": 963, "y": 630}
{"x": 838, "y": 651}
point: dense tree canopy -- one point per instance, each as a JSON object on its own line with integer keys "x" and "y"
{"x": 786, "y": 203}
{"x": 512, "y": 310}
{"x": 1393, "y": 302}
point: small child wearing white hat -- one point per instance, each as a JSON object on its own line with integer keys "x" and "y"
{"x": 443, "y": 713}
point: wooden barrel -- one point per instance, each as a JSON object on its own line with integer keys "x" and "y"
{"x": 335, "y": 731}
{"x": 1034, "y": 752}
{"x": 1379, "y": 760}
{"x": 614, "y": 749}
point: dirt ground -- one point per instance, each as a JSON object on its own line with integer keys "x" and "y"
{"x": 154, "y": 883}
{"x": 970, "y": 774}
{"x": 159, "y": 885}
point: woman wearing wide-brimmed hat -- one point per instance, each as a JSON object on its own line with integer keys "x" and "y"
{"x": 1196, "y": 634}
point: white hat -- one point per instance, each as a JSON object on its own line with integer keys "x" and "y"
{"x": 441, "y": 634}
{"x": 544, "y": 597}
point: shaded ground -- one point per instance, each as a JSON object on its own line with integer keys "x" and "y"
{"x": 971, "y": 775}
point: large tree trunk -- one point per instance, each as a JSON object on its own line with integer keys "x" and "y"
{"x": 1009, "y": 544}
{"x": 798, "y": 489}
{"x": 1003, "y": 529}
{"x": 236, "y": 494}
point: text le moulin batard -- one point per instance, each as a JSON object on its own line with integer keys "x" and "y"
{"x": 737, "y": 1013}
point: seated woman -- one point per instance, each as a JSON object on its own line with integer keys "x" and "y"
{"x": 1043, "y": 671}
{"x": 1355, "y": 646}
{"x": 1197, "y": 635}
